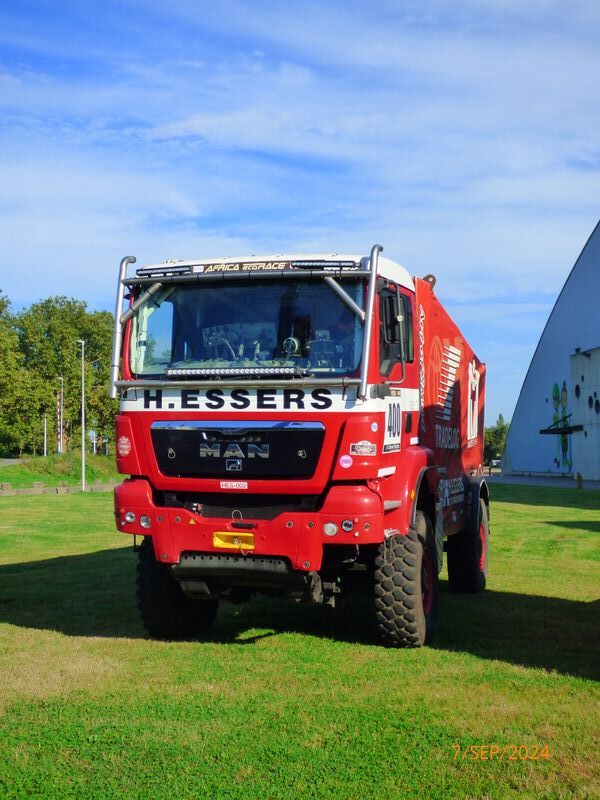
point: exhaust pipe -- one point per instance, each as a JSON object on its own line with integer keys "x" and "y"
{"x": 369, "y": 311}
{"x": 118, "y": 329}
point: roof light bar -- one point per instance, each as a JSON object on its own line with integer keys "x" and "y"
{"x": 323, "y": 263}
{"x": 164, "y": 270}
{"x": 231, "y": 371}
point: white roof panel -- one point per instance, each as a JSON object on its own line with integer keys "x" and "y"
{"x": 387, "y": 268}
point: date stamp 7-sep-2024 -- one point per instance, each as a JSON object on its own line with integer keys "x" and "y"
{"x": 501, "y": 752}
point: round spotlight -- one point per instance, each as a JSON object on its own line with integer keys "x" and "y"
{"x": 330, "y": 529}
{"x": 145, "y": 522}
{"x": 347, "y": 525}
{"x": 130, "y": 516}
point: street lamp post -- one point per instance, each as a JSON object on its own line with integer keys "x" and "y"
{"x": 82, "y": 343}
{"x": 61, "y": 414}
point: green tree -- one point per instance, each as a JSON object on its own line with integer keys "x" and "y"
{"x": 48, "y": 332}
{"x": 100, "y": 409}
{"x": 10, "y": 374}
{"x": 495, "y": 439}
{"x": 32, "y": 399}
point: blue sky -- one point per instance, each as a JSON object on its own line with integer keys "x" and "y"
{"x": 463, "y": 136}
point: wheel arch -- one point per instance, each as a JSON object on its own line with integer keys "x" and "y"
{"x": 425, "y": 497}
{"x": 426, "y": 501}
{"x": 477, "y": 490}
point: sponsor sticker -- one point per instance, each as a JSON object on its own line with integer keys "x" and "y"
{"x": 346, "y": 461}
{"x": 363, "y": 448}
{"x": 451, "y": 491}
{"x": 238, "y": 399}
{"x": 123, "y": 446}
{"x": 242, "y": 266}
{"x": 234, "y": 484}
{"x": 446, "y": 438}
{"x": 473, "y": 404}
{"x": 393, "y": 425}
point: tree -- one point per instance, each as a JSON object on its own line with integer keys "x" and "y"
{"x": 47, "y": 336}
{"x": 11, "y": 361}
{"x": 100, "y": 409}
{"x": 495, "y": 439}
{"x": 32, "y": 399}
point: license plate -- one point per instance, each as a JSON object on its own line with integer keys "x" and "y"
{"x": 233, "y": 541}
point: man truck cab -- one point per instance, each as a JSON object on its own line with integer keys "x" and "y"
{"x": 289, "y": 424}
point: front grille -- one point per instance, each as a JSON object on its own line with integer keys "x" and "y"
{"x": 237, "y": 449}
{"x": 222, "y": 506}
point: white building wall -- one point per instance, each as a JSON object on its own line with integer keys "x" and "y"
{"x": 585, "y": 378}
{"x": 547, "y": 393}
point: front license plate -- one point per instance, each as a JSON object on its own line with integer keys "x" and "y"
{"x": 233, "y": 541}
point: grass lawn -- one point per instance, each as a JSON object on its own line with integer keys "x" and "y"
{"x": 293, "y": 702}
{"x": 62, "y": 470}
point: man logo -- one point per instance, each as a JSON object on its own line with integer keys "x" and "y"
{"x": 233, "y": 465}
{"x": 233, "y": 450}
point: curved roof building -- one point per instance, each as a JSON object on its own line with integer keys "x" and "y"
{"x": 556, "y": 424}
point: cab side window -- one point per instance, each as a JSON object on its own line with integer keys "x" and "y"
{"x": 396, "y": 330}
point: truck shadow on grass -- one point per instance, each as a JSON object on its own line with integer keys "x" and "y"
{"x": 577, "y": 525}
{"x": 94, "y": 595}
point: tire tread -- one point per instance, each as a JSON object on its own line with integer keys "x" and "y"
{"x": 399, "y": 619}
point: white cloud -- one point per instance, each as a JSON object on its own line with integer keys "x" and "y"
{"x": 461, "y": 136}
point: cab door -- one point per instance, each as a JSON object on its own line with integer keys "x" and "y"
{"x": 397, "y": 367}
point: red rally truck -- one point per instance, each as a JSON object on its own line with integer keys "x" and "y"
{"x": 290, "y": 424}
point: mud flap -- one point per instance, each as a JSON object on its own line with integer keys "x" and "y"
{"x": 439, "y": 535}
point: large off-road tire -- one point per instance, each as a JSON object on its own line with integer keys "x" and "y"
{"x": 467, "y": 554}
{"x": 406, "y": 586}
{"x": 165, "y": 611}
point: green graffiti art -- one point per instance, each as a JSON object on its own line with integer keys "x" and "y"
{"x": 560, "y": 419}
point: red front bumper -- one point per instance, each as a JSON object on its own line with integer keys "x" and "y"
{"x": 298, "y": 537}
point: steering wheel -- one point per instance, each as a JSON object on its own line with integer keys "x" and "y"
{"x": 222, "y": 339}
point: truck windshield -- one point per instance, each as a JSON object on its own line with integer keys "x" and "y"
{"x": 240, "y": 327}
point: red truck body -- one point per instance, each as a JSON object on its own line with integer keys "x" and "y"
{"x": 261, "y": 461}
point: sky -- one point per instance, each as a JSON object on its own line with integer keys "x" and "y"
{"x": 462, "y": 136}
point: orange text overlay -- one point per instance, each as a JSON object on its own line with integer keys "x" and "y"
{"x": 501, "y": 752}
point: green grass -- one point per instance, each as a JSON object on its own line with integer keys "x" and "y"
{"x": 59, "y": 470}
{"x": 286, "y": 701}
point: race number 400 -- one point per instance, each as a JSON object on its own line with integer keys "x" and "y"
{"x": 393, "y": 426}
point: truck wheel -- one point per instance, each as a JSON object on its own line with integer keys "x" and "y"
{"x": 467, "y": 553}
{"x": 406, "y": 586}
{"x": 165, "y": 611}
